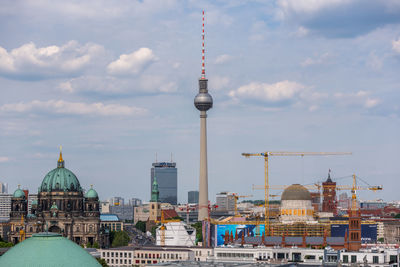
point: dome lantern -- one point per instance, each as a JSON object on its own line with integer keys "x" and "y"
{"x": 60, "y": 162}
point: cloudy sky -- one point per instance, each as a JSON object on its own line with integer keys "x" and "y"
{"x": 113, "y": 82}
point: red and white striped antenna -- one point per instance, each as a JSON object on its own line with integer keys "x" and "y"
{"x": 203, "y": 69}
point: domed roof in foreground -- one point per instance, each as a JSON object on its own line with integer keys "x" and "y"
{"x": 47, "y": 250}
{"x": 60, "y": 179}
{"x": 19, "y": 193}
{"x": 296, "y": 192}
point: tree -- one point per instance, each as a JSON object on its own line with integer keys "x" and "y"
{"x": 140, "y": 225}
{"x": 153, "y": 231}
{"x": 381, "y": 240}
{"x": 102, "y": 262}
{"x": 397, "y": 215}
{"x": 199, "y": 231}
{"x": 121, "y": 239}
{"x": 5, "y": 244}
{"x": 96, "y": 245}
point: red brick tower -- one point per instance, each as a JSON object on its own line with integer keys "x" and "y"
{"x": 354, "y": 221}
{"x": 329, "y": 195}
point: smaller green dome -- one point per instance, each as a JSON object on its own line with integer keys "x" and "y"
{"x": 34, "y": 202}
{"x": 19, "y": 193}
{"x": 91, "y": 193}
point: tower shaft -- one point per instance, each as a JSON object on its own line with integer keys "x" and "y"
{"x": 203, "y": 181}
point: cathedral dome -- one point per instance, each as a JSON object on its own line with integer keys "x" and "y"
{"x": 45, "y": 250}
{"x": 19, "y": 193}
{"x": 60, "y": 179}
{"x": 296, "y": 192}
{"x": 91, "y": 193}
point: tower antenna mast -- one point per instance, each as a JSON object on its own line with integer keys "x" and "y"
{"x": 203, "y": 67}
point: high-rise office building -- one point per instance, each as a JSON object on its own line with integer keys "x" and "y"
{"x": 3, "y": 188}
{"x": 193, "y": 197}
{"x": 225, "y": 201}
{"x": 116, "y": 201}
{"x": 166, "y": 174}
{"x": 5, "y": 207}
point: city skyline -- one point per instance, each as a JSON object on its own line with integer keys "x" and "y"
{"x": 114, "y": 84}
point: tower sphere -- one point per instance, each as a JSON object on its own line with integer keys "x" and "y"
{"x": 203, "y": 101}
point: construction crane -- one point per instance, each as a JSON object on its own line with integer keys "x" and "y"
{"x": 236, "y": 197}
{"x": 266, "y": 156}
{"x": 163, "y": 221}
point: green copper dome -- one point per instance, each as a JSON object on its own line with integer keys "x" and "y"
{"x": 91, "y": 193}
{"x": 19, "y": 193}
{"x": 60, "y": 179}
{"x": 47, "y": 250}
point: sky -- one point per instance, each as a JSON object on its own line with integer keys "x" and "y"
{"x": 113, "y": 82}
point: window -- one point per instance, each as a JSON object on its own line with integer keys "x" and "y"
{"x": 393, "y": 259}
{"x": 104, "y": 254}
{"x": 125, "y": 254}
{"x": 345, "y": 258}
{"x": 375, "y": 259}
{"x": 353, "y": 258}
{"x": 120, "y": 254}
{"x": 108, "y": 254}
{"x": 130, "y": 254}
{"x": 112, "y": 254}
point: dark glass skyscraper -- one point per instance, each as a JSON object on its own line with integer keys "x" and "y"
{"x": 166, "y": 174}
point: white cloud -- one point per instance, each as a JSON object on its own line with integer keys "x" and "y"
{"x": 277, "y": 92}
{"x": 360, "y": 98}
{"x": 302, "y": 31}
{"x": 396, "y": 46}
{"x": 4, "y": 159}
{"x": 133, "y": 63}
{"x": 219, "y": 82}
{"x": 66, "y": 87}
{"x": 374, "y": 61}
{"x": 29, "y": 61}
{"x": 307, "y": 6}
{"x": 221, "y": 59}
{"x": 72, "y": 108}
{"x": 316, "y": 61}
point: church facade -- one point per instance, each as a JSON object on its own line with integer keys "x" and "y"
{"x": 62, "y": 207}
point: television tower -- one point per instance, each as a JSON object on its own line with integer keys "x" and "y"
{"x": 203, "y": 102}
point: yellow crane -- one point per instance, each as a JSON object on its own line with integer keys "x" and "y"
{"x": 236, "y": 199}
{"x": 163, "y": 221}
{"x": 266, "y": 156}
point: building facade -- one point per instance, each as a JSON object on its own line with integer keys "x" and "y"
{"x": 167, "y": 178}
{"x": 5, "y": 207}
{"x": 3, "y": 188}
{"x": 193, "y": 197}
{"x": 225, "y": 201}
{"x": 61, "y": 207}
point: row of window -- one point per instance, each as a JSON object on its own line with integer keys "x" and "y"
{"x": 173, "y": 256}
{"x": 121, "y": 254}
{"x": 353, "y": 259}
{"x": 121, "y": 261}
{"x": 235, "y": 255}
